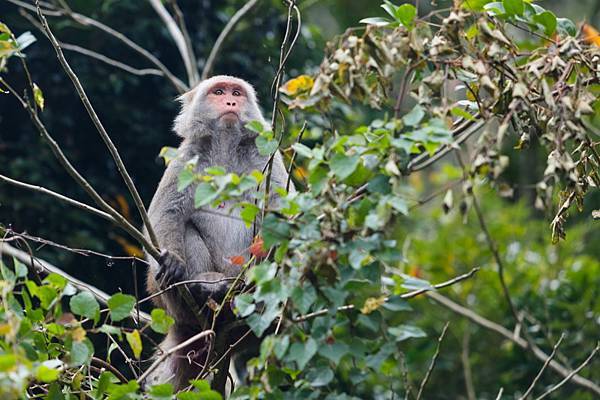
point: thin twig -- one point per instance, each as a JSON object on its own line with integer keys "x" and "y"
{"x": 93, "y": 54}
{"x": 507, "y": 334}
{"x": 72, "y": 171}
{"x": 572, "y": 374}
{"x": 405, "y": 296}
{"x": 166, "y": 354}
{"x": 229, "y": 27}
{"x": 45, "y": 267}
{"x": 60, "y": 197}
{"x": 180, "y": 86}
{"x": 187, "y": 53}
{"x": 433, "y": 361}
{"x": 99, "y": 127}
{"x": 538, "y": 376}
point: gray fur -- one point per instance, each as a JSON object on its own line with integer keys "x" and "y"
{"x": 203, "y": 238}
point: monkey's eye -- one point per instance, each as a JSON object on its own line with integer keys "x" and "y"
{"x": 236, "y": 93}
{"x": 219, "y": 92}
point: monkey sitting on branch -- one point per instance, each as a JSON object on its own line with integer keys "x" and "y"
{"x": 196, "y": 243}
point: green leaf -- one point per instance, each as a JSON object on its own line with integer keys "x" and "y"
{"x": 38, "y": 96}
{"x": 80, "y": 353}
{"x": 302, "y": 353}
{"x": 218, "y": 171}
{"x": 168, "y": 154}
{"x": 459, "y": 112}
{"x": 120, "y": 306}
{"x": 274, "y": 230}
{"x": 389, "y": 8}
{"x": 376, "y": 21}
{"x": 304, "y": 297}
{"x": 334, "y": 352}
{"x": 135, "y": 342}
{"x": 25, "y": 39}
{"x": 205, "y": 193}
{"x": 85, "y": 304}
{"x": 46, "y": 374}
{"x": 248, "y": 213}
{"x": 161, "y": 322}
{"x": 566, "y": 27}
{"x": 255, "y": 126}
{"x": 303, "y": 150}
{"x": 406, "y": 14}
{"x": 548, "y": 20}
{"x": 265, "y": 146}
{"x": 414, "y": 116}
{"x": 244, "y": 305}
{"x": 343, "y": 166}
{"x": 403, "y": 332}
{"x": 161, "y": 392}
{"x": 513, "y": 7}
{"x": 186, "y": 178}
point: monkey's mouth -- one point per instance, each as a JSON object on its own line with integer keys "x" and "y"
{"x": 229, "y": 114}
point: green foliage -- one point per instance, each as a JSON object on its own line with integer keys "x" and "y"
{"x": 328, "y": 304}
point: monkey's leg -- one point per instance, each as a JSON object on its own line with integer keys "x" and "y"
{"x": 201, "y": 268}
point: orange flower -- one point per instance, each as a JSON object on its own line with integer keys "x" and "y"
{"x": 591, "y": 35}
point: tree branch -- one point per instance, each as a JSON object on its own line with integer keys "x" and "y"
{"x": 229, "y": 27}
{"x": 42, "y": 266}
{"x": 405, "y": 296}
{"x": 60, "y": 197}
{"x": 72, "y": 171}
{"x": 433, "y": 361}
{"x": 538, "y": 376}
{"x": 81, "y": 19}
{"x": 536, "y": 351}
{"x": 173, "y": 349}
{"x": 99, "y": 127}
{"x": 186, "y": 52}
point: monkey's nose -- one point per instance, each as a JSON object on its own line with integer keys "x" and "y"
{"x": 231, "y": 103}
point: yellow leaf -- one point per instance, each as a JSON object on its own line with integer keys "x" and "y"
{"x": 38, "y": 96}
{"x": 135, "y": 342}
{"x": 591, "y": 35}
{"x": 303, "y": 83}
{"x": 78, "y": 334}
{"x": 372, "y": 304}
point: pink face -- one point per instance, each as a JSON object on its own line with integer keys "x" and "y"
{"x": 228, "y": 99}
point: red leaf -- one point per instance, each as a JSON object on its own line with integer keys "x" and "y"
{"x": 257, "y": 248}
{"x": 237, "y": 260}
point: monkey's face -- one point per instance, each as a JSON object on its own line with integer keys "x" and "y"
{"x": 227, "y": 102}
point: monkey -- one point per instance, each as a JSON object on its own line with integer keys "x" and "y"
{"x": 196, "y": 243}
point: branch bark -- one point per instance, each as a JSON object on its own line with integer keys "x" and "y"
{"x": 235, "y": 19}
{"x": 186, "y": 52}
{"x": 45, "y": 267}
{"x": 536, "y": 351}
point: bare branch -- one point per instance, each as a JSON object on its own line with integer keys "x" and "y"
{"x": 507, "y": 334}
{"x": 433, "y": 361}
{"x": 180, "y": 86}
{"x": 45, "y": 267}
{"x": 235, "y": 19}
{"x": 173, "y": 349}
{"x": 110, "y": 61}
{"x": 572, "y": 374}
{"x": 538, "y": 376}
{"x": 99, "y": 127}
{"x": 65, "y": 199}
{"x": 408, "y": 295}
{"x": 187, "y": 53}
{"x": 72, "y": 171}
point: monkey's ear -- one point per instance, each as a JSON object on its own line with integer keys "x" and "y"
{"x": 186, "y": 98}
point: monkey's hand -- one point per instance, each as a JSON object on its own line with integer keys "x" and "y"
{"x": 172, "y": 269}
{"x": 212, "y": 285}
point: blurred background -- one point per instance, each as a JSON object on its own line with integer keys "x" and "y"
{"x": 558, "y": 285}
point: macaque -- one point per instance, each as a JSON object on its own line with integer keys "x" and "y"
{"x": 197, "y": 244}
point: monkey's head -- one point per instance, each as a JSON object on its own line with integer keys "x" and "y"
{"x": 223, "y": 102}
